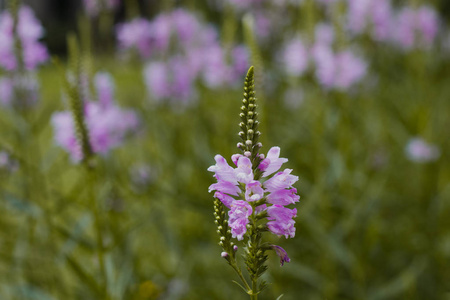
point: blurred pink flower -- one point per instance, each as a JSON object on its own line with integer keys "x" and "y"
{"x": 418, "y": 150}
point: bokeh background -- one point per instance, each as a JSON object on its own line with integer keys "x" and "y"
{"x": 355, "y": 92}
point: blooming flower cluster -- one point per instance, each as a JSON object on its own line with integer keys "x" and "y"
{"x": 333, "y": 70}
{"x": 416, "y": 28}
{"x": 418, "y": 150}
{"x": 181, "y": 50}
{"x": 29, "y": 31}
{"x": 408, "y": 28}
{"x": 245, "y": 195}
{"x": 107, "y": 123}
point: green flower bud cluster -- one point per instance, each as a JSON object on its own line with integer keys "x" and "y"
{"x": 221, "y": 220}
{"x": 73, "y": 88}
{"x": 249, "y": 124}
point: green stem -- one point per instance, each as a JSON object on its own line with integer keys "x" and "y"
{"x": 239, "y": 272}
{"x": 254, "y": 294}
{"x": 92, "y": 183}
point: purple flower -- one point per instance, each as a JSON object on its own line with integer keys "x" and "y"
{"x": 415, "y": 27}
{"x": 170, "y": 80}
{"x": 222, "y": 170}
{"x": 283, "y": 197}
{"x": 156, "y": 75}
{"x": 225, "y": 187}
{"x": 254, "y": 191}
{"x": 135, "y": 34}
{"x": 224, "y": 198}
{"x": 272, "y": 162}
{"x": 373, "y": 14}
{"x": 29, "y": 31}
{"x": 350, "y": 70}
{"x": 381, "y": 19}
{"x": 281, "y": 220}
{"x": 244, "y": 172}
{"x": 339, "y": 71}
{"x": 281, "y": 180}
{"x": 295, "y": 57}
{"x": 239, "y": 182}
{"x": 324, "y": 60}
{"x": 418, "y": 150}
{"x": 241, "y": 58}
{"x": 239, "y": 213}
{"x": 427, "y": 24}
{"x": 104, "y": 85}
{"x": 105, "y": 132}
{"x": 281, "y": 253}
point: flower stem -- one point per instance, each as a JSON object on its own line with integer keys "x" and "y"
{"x": 254, "y": 294}
{"x": 92, "y": 180}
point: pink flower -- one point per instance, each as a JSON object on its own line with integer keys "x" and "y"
{"x": 283, "y": 197}
{"x": 224, "y": 198}
{"x": 295, "y": 57}
{"x": 104, "y": 85}
{"x": 239, "y": 213}
{"x": 222, "y": 170}
{"x": 281, "y": 180}
{"x": 254, "y": 191}
{"x": 101, "y": 120}
{"x": 282, "y": 254}
{"x": 418, "y": 150}
{"x": 281, "y": 220}
{"x": 225, "y": 187}
{"x": 272, "y": 162}
{"x": 244, "y": 172}
{"x": 29, "y": 31}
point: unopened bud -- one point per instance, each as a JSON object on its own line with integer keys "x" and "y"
{"x": 248, "y": 142}
{"x": 235, "y": 248}
{"x": 224, "y": 254}
{"x": 247, "y": 153}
